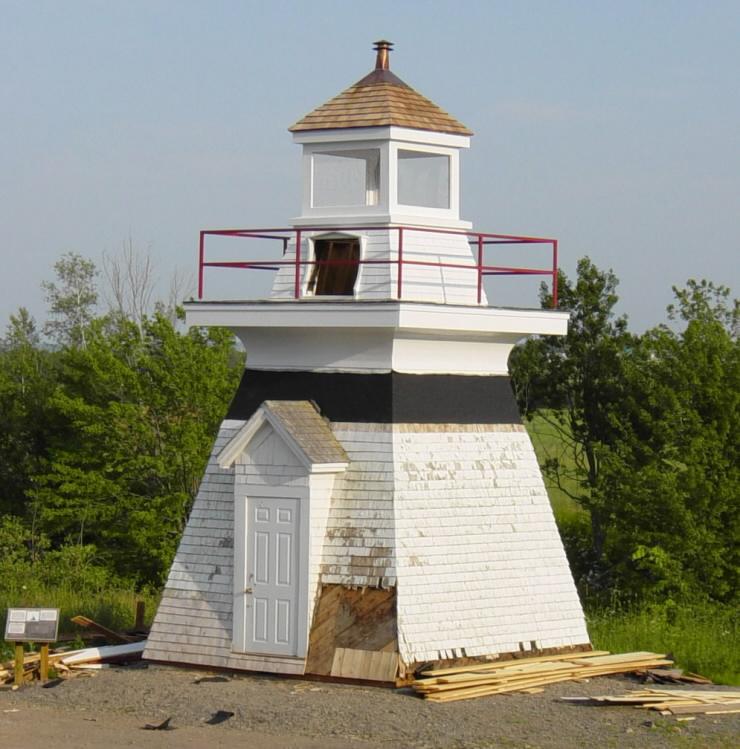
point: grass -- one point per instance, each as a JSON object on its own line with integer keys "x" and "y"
{"x": 703, "y": 639}
{"x": 548, "y": 443}
{"x": 113, "y": 608}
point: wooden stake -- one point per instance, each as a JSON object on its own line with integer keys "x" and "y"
{"x": 44, "y": 665}
{"x": 19, "y": 663}
{"x": 140, "y": 608}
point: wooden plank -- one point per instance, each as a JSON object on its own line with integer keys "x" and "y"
{"x": 364, "y": 664}
{"x": 337, "y": 662}
{"x": 83, "y": 621}
{"x": 505, "y": 664}
{"x": 716, "y": 709}
{"x": 605, "y": 660}
{"x": 108, "y": 652}
{"x": 503, "y": 673}
{"x": 512, "y": 684}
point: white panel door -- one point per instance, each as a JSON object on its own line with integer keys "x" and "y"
{"x": 271, "y": 593}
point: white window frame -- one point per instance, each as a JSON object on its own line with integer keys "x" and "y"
{"x": 453, "y": 210}
{"x": 310, "y": 149}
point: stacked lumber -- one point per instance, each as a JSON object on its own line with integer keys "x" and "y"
{"x": 672, "y": 676}
{"x": 67, "y": 662}
{"x": 670, "y": 701}
{"x": 527, "y": 675}
{"x": 32, "y": 665}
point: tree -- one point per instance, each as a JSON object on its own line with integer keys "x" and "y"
{"x": 131, "y": 281}
{"x": 703, "y": 301}
{"x": 139, "y": 417}
{"x": 131, "y": 286}
{"x": 673, "y": 481}
{"x": 72, "y": 300}
{"x": 650, "y": 436}
{"x": 27, "y": 380}
{"x": 575, "y": 382}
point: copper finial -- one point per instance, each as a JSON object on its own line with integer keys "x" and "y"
{"x": 383, "y": 48}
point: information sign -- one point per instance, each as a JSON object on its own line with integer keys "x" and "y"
{"x": 32, "y": 625}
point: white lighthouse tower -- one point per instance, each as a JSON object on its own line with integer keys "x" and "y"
{"x": 373, "y": 500}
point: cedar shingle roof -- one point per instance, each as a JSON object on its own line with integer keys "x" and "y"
{"x": 380, "y": 99}
{"x": 309, "y": 430}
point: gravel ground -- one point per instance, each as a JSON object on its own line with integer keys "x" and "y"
{"x": 278, "y": 712}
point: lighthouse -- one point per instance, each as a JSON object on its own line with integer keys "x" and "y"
{"x": 372, "y": 500}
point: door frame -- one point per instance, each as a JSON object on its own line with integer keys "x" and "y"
{"x": 240, "y": 563}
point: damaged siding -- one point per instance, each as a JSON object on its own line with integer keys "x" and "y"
{"x": 481, "y": 566}
{"x": 358, "y": 549}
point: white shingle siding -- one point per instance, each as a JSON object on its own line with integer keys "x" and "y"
{"x": 380, "y": 280}
{"x": 456, "y": 517}
{"x": 194, "y": 621}
{"x": 480, "y": 563}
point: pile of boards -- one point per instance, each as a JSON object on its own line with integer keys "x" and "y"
{"x": 670, "y": 701}
{"x": 528, "y": 675}
{"x": 69, "y": 663}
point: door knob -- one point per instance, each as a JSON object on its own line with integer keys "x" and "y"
{"x": 247, "y": 590}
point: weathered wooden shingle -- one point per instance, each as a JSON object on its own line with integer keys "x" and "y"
{"x": 380, "y": 99}
{"x": 309, "y": 429}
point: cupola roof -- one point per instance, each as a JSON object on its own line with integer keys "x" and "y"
{"x": 380, "y": 99}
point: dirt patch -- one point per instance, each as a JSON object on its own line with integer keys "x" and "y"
{"x": 111, "y": 708}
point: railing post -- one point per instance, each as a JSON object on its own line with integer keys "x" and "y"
{"x": 201, "y": 252}
{"x": 555, "y": 274}
{"x": 297, "y": 288}
{"x": 400, "y": 262}
{"x": 480, "y": 267}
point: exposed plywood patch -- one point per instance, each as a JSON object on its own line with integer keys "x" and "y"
{"x": 370, "y": 665}
{"x": 356, "y": 619}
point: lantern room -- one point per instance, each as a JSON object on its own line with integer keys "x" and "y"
{"x": 380, "y": 152}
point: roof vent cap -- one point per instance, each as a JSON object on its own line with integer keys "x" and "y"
{"x": 383, "y": 48}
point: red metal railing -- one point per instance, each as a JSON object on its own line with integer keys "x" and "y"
{"x": 480, "y": 241}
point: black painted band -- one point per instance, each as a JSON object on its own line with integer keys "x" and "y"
{"x": 391, "y": 398}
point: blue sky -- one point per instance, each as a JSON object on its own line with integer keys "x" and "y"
{"x": 614, "y": 127}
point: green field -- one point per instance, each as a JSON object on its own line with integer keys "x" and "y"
{"x": 548, "y": 443}
{"x": 702, "y": 639}
{"x": 115, "y": 609}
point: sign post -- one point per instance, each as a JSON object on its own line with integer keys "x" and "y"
{"x": 32, "y": 625}
{"x": 19, "y": 663}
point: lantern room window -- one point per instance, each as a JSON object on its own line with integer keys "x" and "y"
{"x": 423, "y": 179}
{"x": 336, "y": 263}
{"x": 346, "y": 178}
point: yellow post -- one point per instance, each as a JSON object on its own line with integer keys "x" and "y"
{"x": 19, "y": 663}
{"x": 44, "y": 665}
